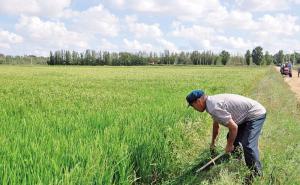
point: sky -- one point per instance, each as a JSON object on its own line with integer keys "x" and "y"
{"x": 38, "y": 26}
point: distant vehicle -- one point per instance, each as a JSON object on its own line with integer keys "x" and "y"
{"x": 285, "y": 70}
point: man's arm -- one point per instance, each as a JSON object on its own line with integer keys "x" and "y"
{"x": 233, "y": 129}
{"x": 215, "y": 133}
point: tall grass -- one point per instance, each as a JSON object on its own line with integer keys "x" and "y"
{"x": 126, "y": 125}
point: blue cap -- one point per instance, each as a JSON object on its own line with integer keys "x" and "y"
{"x": 193, "y": 96}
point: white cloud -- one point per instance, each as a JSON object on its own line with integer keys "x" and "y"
{"x": 209, "y": 39}
{"x": 68, "y": 14}
{"x": 137, "y": 46}
{"x": 142, "y": 30}
{"x": 191, "y": 10}
{"x": 149, "y": 32}
{"x": 262, "y": 6}
{"x": 196, "y": 32}
{"x": 8, "y": 38}
{"x": 164, "y": 44}
{"x": 49, "y": 35}
{"x": 296, "y": 1}
{"x": 197, "y": 35}
{"x": 197, "y": 10}
{"x": 259, "y": 31}
{"x": 119, "y": 3}
{"x": 235, "y": 19}
{"x": 95, "y": 20}
{"x": 4, "y": 46}
{"x": 106, "y": 45}
{"x": 277, "y": 32}
{"x": 271, "y": 24}
{"x": 266, "y": 5}
{"x": 281, "y": 24}
{"x": 33, "y": 7}
{"x": 141, "y": 6}
{"x": 241, "y": 19}
{"x": 274, "y": 44}
{"x": 197, "y": 24}
{"x": 236, "y": 43}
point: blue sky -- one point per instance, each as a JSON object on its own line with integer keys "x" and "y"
{"x": 38, "y": 26}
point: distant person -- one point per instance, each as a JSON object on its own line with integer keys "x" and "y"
{"x": 286, "y": 70}
{"x": 282, "y": 68}
{"x": 298, "y": 71}
{"x": 242, "y": 116}
{"x": 289, "y": 65}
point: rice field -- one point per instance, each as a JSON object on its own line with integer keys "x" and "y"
{"x": 130, "y": 125}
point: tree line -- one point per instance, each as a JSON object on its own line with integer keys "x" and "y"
{"x": 258, "y": 57}
{"x": 23, "y": 60}
{"x": 91, "y": 57}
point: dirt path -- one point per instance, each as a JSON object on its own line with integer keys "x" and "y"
{"x": 293, "y": 82}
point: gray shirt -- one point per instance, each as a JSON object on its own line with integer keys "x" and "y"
{"x": 223, "y": 107}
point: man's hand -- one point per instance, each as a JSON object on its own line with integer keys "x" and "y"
{"x": 215, "y": 133}
{"x": 212, "y": 146}
{"x": 233, "y": 129}
{"x": 212, "y": 150}
{"x": 229, "y": 148}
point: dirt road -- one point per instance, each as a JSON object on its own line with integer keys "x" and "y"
{"x": 293, "y": 82}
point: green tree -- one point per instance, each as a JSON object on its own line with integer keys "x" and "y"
{"x": 75, "y": 58}
{"x": 268, "y": 58}
{"x": 93, "y": 58}
{"x": 99, "y": 59}
{"x": 165, "y": 57}
{"x": 295, "y": 58}
{"x": 248, "y": 57}
{"x": 279, "y": 57}
{"x": 124, "y": 59}
{"x": 81, "y": 60}
{"x": 115, "y": 59}
{"x": 257, "y": 55}
{"x": 68, "y": 57}
{"x": 106, "y": 58}
{"x": 153, "y": 58}
{"x": 51, "y": 59}
{"x": 181, "y": 59}
{"x": 2, "y": 59}
{"x": 225, "y": 56}
{"x": 58, "y": 59}
{"x": 88, "y": 57}
{"x": 216, "y": 58}
{"x": 173, "y": 58}
{"x": 195, "y": 57}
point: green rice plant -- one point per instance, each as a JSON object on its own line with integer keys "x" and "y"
{"x": 130, "y": 125}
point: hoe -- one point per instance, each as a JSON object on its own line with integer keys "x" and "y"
{"x": 213, "y": 161}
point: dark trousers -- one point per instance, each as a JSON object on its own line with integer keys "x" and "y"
{"x": 248, "y": 134}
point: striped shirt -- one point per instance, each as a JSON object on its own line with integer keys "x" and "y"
{"x": 223, "y": 107}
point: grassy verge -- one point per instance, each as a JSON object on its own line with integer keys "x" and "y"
{"x": 279, "y": 142}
